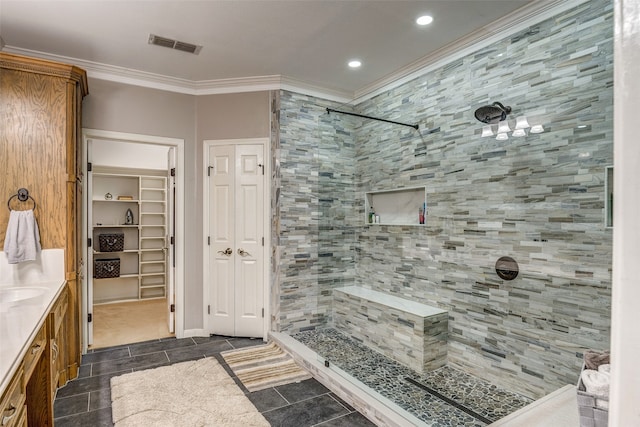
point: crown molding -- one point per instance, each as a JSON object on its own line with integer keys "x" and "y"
{"x": 234, "y": 85}
{"x": 129, "y": 76}
{"x": 276, "y": 82}
{"x": 310, "y": 89}
{"x": 519, "y": 20}
{"x": 115, "y": 73}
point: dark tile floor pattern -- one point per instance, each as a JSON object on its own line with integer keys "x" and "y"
{"x": 467, "y": 401}
{"x": 86, "y": 401}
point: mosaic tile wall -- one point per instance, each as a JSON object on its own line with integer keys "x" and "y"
{"x": 314, "y": 207}
{"x": 415, "y": 340}
{"x": 538, "y": 199}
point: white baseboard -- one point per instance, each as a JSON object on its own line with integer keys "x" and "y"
{"x": 188, "y": 333}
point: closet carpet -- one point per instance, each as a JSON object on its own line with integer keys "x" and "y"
{"x": 129, "y": 322}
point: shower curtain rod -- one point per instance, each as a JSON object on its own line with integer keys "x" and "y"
{"x": 331, "y": 110}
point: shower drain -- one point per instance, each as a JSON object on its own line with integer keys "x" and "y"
{"x": 448, "y": 400}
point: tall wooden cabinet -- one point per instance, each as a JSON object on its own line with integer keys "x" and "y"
{"x": 40, "y": 121}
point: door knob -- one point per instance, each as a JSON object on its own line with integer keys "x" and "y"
{"x": 227, "y": 251}
{"x": 242, "y": 252}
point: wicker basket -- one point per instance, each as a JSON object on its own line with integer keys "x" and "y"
{"x": 112, "y": 242}
{"x": 106, "y": 268}
{"x": 591, "y": 408}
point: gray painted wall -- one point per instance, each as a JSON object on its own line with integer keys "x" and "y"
{"x": 225, "y": 116}
{"x": 131, "y": 109}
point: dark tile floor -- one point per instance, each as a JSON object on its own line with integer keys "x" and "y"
{"x": 86, "y": 401}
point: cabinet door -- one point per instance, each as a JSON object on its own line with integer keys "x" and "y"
{"x": 57, "y": 340}
{"x": 13, "y": 400}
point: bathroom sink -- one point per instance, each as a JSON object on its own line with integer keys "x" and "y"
{"x": 15, "y": 294}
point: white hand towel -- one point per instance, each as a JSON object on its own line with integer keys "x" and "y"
{"x": 596, "y": 382}
{"x": 22, "y": 240}
{"x": 605, "y": 369}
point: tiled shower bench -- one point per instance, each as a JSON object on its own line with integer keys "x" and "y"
{"x": 409, "y": 332}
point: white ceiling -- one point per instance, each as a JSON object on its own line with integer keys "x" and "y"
{"x": 305, "y": 41}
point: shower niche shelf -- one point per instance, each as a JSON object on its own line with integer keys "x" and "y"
{"x": 399, "y": 206}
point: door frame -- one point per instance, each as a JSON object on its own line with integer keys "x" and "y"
{"x": 206, "y": 144}
{"x": 179, "y": 145}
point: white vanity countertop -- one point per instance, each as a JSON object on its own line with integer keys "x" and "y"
{"x": 21, "y": 320}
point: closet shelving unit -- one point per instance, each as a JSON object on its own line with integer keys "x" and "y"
{"x": 143, "y": 261}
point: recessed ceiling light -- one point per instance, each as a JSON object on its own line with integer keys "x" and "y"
{"x": 424, "y": 20}
{"x": 354, "y": 63}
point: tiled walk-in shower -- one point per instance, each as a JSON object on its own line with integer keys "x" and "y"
{"x": 443, "y": 397}
{"x": 539, "y": 199}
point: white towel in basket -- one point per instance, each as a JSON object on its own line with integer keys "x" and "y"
{"x": 22, "y": 241}
{"x": 606, "y": 368}
{"x": 597, "y": 383}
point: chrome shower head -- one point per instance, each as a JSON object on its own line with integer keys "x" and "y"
{"x": 493, "y": 113}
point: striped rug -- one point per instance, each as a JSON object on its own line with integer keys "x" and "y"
{"x": 264, "y": 366}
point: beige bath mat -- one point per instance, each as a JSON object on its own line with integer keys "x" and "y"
{"x": 264, "y": 366}
{"x": 188, "y": 394}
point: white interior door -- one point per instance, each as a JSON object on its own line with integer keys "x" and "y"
{"x": 236, "y": 239}
{"x": 134, "y": 151}
{"x": 88, "y": 282}
{"x": 171, "y": 223}
{"x": 87, "y": 302}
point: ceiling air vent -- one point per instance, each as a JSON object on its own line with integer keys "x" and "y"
{"x": 174, "y": 44}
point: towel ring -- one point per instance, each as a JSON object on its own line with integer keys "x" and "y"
{"x": 23, "y": 196}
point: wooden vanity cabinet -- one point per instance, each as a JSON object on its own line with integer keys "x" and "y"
{"x": 28, "y": 400}
{"x": 42, "y": 102}
{"x": 58, "y": 342}
{"x": 22, "y": 418}
{"x": 13, "y": 401}
{"x": 35, "y": 351}
{"x": 39, "y": 408}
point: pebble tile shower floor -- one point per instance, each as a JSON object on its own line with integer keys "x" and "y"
{"x": 443, "y": 397}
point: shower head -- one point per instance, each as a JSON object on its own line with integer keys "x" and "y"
{"x": 493, "y": 113}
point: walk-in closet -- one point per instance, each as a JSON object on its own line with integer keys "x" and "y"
{"x": 129, "y": 221}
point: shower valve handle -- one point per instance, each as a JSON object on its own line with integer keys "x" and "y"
{"x": 227, "y": 251}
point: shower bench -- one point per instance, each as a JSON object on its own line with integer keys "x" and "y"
{"x": 409, "y": 332}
